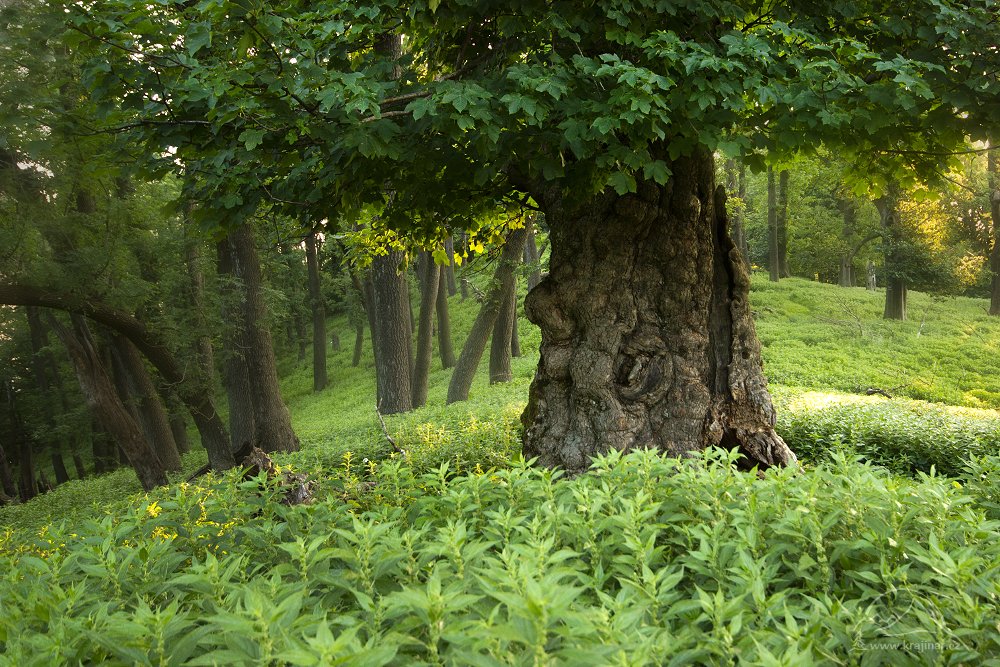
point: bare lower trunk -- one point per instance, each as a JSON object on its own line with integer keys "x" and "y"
{"x": 445, "y": 348}
{"x": 503, "y": 331}
{"x": 532, "y": 258}
{"x": 995, "y": 216}
{"x": 318, "y": 315}
{"x": 151, "y": 411}
{"x": 271, "y": 418}
{"x": 359, "y": 341}
{"x": 515, "y": 336}
{"x": 773, "y": 257}
{"x": 103, "y": 400}
{"x": 430, "y": 276}
{"x": 393, "y": 343}
{"x": 449, "y": 270}
{"x": 6, "y": 475}
{"x": 475, "y": 344}
{"x": 895, "y": 283}
{"x": 196, "y": 287}
{"x": 782, "y": 224}
{"x": 235, "y": 374}
{"x": 647, "y": 337}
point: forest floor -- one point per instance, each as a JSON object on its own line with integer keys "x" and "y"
{"x": 886, "y": 548}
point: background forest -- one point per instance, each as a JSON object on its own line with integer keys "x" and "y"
{"x": 266, "y": 356}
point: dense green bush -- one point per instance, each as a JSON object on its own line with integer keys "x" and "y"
{"x": 903, "y": 435}
{"x": 644, "y": 561}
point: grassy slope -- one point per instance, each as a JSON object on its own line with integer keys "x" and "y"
{"x": 815, "y": 336}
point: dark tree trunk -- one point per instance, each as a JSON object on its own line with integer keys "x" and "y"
{"x": 773, "y": 256}
{"x": 196, "y": 286}
{"x": 994, "y": 186}
{"x": 81, "y": 469}
{"x": 359, "y": 342}
{"x": 235, "y": 374}
{"x": 198, "y": 401}
{"x": 392, "y": 342}
{"x": 895, "y": 283}
{"x": 647, "y": 336}
{"x": 6, "y": 476}
{"x": 463, "y": 283}
{"x": 318, "y": 315}
{"x": 445, "y": 348}
{"x": 849, "y": 211}
{"x": 151, "y": 412}
{"x": 475, "y": 344}
{"x": 101, "y": 448}
{"x": 42, "y": 365}
{"x": 103, "y": 400}
{"x": 449, "y": 271}
{"x": 503, "y": 332}
{"x": 27, "y": 488}
{"x": 430, "y": 280}
{"x": 532, "y": 258}
{"x": 515, "y": 337}
{"x": 178, "y": 426}
{"x": 782, "y": 224}
{"x": 273, "y": 425}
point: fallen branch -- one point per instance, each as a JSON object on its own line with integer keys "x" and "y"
{"x": 385, "y": 432}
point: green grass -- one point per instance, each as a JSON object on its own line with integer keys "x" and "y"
{"x": 452, "y": 554}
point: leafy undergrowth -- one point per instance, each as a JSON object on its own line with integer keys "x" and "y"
{"x": 643, "y": 561}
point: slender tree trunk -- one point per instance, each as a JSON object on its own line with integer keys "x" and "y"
{"x": 895, "y": 284}
{"x": 849, "y": 211}
{"x": 81, "y": 469}
{"x": 196, "y": 290}
{"x": 393, "y": 343}
{"x": 359, "y": 342}
{"x": 515, "y": 337}
{"x": 870, "y": 276}
{"x": 235, "y": 373}
{"x": 449, "y": 271}
{"x": 271, "y": 418}
{"x": 6, "y": 476}
{"x": 430, "y": 280}
{"x": 782, "y": 224}
{"x": 503, "y": 332}
{"x": 647, "y": 335}
{"x": 463, "y": 282}
{"x": 178, "y": 427}
{"x": 27, "y": 488}
{"x": 475, "y": 344}
{"x": 736, "y": 175}
{"x": 994, "y": 180}
{"x": 42, "y": 363}
{"x": 532, "y": 257}
{"x": 103, "y": 400}
{"x": 318, "y": 315}
{"x": 445, "y": 348}
{"x": 773, "y": 256}
{"x": 151, "y": 412}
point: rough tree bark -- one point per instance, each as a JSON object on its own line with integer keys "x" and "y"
{"x": 41, "y": 365}
{"x": 445, "y": 348}
{"x": 152, "y": 414}
{"x": 849, "y": 211}
{"x": 272, "y": 422}
{"x": 449, "y": 270}
{"x": 781, "y": 224}
{"x": 391, "y": 333}
{"x": 103, "y": 400}
{"x": 318, "y": 307}
{"x": 430, "y": 278}
{"x": 773, "y": 257}
{"x": 994, "y": 186}
{"x": 503, "y": 331}
{"x": 235, "y": 374}
{"x": 647, "y": 336}
{"x": 475, "y": 344}
{"x": 26, "y": 485}
{"x": 198, "y": 300}
{"x": 895, "y": 284}
{"x": 532, "y": 258}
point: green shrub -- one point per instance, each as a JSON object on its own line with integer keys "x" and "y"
{"x": 643, "y": 561}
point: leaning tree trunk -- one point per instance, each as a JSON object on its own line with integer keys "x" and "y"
{"x": 149, "y": 405}
{"x": 647, "y": 336}
{"x": 781, "y": 224}
{"x": 272, "y": 420}
{"x": 41, "y": 364}
{"x": 103, "y": 400}
{"x": 503, "y": 332}
{"x": 995, "y": 214}
{"x": 430, "y": 277}
{"x": 449, "y": 269}
{"x": 445, "y": 348}
{"x": 318, "y": 308}
{"x": 235, "y": 373}
{"x": 895, "y": 283}
{"x": 773, "y": 255}
{"x": 475, "y": 344}
{"x": 391, "y": 334}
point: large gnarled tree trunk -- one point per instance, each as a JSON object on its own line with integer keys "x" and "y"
{"x": 647, "y": 337}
